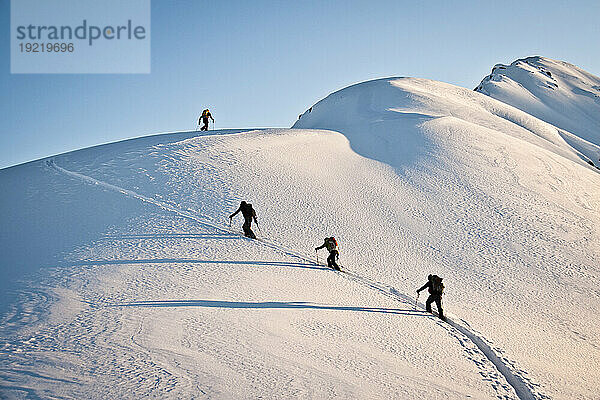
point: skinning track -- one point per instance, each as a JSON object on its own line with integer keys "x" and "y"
{"x": 523, "y": 388}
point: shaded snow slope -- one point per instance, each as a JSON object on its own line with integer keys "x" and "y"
{"x": 554, "y": 91}
{"x": 42, "y": 217}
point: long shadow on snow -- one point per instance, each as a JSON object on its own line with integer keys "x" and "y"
{"x": 193, "y": 261}
{"x": 172, "y": 236}
{"x": 267, "y": 305}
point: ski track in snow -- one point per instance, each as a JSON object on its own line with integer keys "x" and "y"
{"x": 523, "y": 387}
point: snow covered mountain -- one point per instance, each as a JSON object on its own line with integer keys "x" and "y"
{"x": 125, "y": 280}
{"x": 553, "y": 91}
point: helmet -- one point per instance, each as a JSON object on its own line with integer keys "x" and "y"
{"x": 243, "y": 203}
{"x": 429, "y": 277}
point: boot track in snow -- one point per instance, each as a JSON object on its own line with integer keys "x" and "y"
{"x": 523, "y": 388}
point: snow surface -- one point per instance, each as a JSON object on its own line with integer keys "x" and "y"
{"x": 123, "y": 279}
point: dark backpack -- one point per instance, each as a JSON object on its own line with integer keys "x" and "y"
{"x": 248, "y": 211}
{"x": 330, "y": 243}
{"x": 437, "y": 286}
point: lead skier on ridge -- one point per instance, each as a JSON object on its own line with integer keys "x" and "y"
{"x": 204, "y": 118}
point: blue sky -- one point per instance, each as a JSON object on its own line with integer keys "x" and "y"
{"x": 261, "y": 63}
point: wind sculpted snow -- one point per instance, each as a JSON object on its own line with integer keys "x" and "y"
{"x": 387, "y": 119}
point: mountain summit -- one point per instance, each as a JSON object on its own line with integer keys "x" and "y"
{"x": 554, "y": 91}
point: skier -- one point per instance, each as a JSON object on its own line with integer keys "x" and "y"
{"x": 331, "y": 244}
{"x": 249, "y": 214}
{"x": 436, "y": 288}
{"x": 204, "y": 118}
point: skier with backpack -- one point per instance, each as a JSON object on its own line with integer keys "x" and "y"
{"x": 436, "y": 289}
{"x": 331, "y": 244}
{"x": 204, "y": 119}
{"x": 249, "y": 214}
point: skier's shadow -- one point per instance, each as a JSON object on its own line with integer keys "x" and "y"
{"x": 171, "y": 236}
{"x": 268, "y": 305}
{"x": 250, "y": 263}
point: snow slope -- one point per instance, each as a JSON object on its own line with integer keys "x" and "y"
{"x": 169, "y": 302}
{"x": 556, "y": 92}
{"x": 126, "y": 280}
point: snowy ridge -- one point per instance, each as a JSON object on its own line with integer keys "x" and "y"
{"x": 523, "y": 389}
{"x": 553, "y": 91}
{"x": 179, "y": 212}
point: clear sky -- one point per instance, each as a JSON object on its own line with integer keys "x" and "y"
{"x": 262, "y": 63}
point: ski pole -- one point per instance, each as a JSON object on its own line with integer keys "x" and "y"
{"x": 317, "y": 254}
{"x": 417, "y": 300}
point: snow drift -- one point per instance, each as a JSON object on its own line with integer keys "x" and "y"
{"x": 153, "y": 294}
